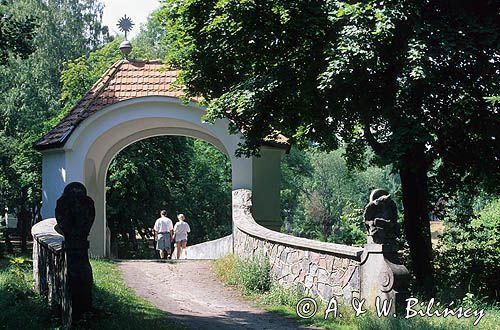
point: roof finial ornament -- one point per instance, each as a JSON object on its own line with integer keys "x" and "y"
{"x": 125, "y": 25}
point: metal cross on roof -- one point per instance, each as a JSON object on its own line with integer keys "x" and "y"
{"x": 125, "y": 25}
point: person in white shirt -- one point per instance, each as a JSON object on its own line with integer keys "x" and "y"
{"x": 181, "y": 230}
{"x": 163, "y": 230}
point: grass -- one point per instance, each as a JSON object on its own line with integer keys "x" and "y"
{"x": 115, "y": 306}
{"x": 19, "y": 310}
{"x": 283, "y": 301}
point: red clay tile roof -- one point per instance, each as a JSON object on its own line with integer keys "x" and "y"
{"x": 122, "y": 81}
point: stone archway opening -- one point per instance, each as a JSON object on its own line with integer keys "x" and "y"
{"x": 174, "y": 173}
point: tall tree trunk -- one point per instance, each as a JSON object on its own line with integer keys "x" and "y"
{"x": 23, "y": 219}
{"x": 413, "y": 172}
{"x": 131, "y": 235}
{"x": 23, "y": 226}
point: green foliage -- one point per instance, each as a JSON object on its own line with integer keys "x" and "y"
{"x": 409, "y": 79}
{"x": 16, "y": 33}
{"x": 206, "y": 192}
{"x": 19, "y": 283}
{"x": 254, "y": 274}
{"x": 30, "y": 87}
{"x": 19, "y": 306}
{"x": 467, "y": 261}
{"x": 350, "y": 230}
{"x": 323, "y": 199}
{"x": 394, "y": 75}
{"x": 279, "y": 295}
{"x": 149, "y": 40}
{"x": 80, "y": 74}
{"x": 494, "y": 100}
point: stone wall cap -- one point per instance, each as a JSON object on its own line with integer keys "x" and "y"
{"x": 45, "y": 234}
{"x": 256, "y": 230}
{"x": 244, "y": 221}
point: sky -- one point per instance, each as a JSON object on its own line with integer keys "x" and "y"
{"x": 137, "y": 10}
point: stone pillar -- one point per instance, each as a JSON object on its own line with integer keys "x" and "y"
{"x": 383, "y": 277}
{"x": 75, "y": 215}
{"x": 266, "y": 180}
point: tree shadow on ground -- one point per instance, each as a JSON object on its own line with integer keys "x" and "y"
{"x": 237, "y": 320}
{"x": 112, "y": 311}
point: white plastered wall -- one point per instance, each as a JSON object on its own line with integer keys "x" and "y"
{"x": 88, "y": 152}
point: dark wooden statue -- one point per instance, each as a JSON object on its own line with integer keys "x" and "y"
{"x": 75, "y": 215}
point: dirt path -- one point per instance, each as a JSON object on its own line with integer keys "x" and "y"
{"x": 194, "y": 298}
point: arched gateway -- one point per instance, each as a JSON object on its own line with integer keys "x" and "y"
{"x": 134, "y": 100}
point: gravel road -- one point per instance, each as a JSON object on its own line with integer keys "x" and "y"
{"x": 188, "y": 291}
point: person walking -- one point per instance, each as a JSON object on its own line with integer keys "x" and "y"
{"x": 163, "y": 230}
{"x": 181, "y": 230}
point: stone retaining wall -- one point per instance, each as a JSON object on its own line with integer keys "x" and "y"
{"x": 316, "y": 268}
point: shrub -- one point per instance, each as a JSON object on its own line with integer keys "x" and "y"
{"x": 254, "y": 274}
{"x": 19, "y": 284}
{"x": 469, "y": 255}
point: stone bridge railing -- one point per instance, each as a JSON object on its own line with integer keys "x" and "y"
{"x": 317, "y": 268}
{"x": 50, "y": 267}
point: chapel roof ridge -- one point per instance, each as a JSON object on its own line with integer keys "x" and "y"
{"x": 144, "y": 60}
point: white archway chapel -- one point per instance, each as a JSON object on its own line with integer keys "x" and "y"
{"x": 134, "y": 100}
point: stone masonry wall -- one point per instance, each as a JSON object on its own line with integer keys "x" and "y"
{"x": 314, "y": 273}
{"x": 50, "y": 267}
{"x": 316, "y": 268}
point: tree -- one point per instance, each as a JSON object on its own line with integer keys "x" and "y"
{"x": 16, "y": 33}
{"x": 407, "y": 78}
{"x": 149, "y": 40}
{"x": 470, "y": 253}
{"x": 30, "y": 86}
{"x": 328, "y": 197}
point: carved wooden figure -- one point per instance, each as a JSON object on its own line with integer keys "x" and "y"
{"x": 75, "y": 215}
